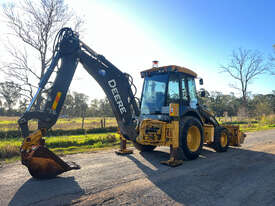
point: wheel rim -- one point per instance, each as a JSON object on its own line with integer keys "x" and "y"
{"x": 193, "y": 138}
{"x": 223, "y": 139}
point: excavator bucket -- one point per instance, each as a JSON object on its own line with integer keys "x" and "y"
{"x": 44, "y": 164}
{"x": 40, "y": 161}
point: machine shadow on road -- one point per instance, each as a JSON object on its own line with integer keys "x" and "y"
{"x": 46, "y": 192}
{"x": 213, "y": 177}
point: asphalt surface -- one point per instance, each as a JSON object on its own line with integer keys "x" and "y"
{"x": 241, "y": 176}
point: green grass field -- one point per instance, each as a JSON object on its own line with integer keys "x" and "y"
{"x": 9, "y": 148}
{"x": 10, "y": 123}
{"x": 251, "y": 125}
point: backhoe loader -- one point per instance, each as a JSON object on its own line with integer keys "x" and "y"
{"x": 168, "y": 113}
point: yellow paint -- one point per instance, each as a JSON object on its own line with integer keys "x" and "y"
{"x": 208, "y": 133}
{"x": 32, "y": 140}
{"x": 56, "y": 100}
{"x": 223, "y": 139}
{"x": 173, "y": 110}
{"x": 159, "y": 133}
{"x": 176, "y": 132}
{"x": 172, "y": 68}
{"x": 236, "y": 136}
{"x": 193, "y": 138}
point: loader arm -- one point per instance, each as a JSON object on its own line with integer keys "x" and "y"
{"x": 69, "y": 50}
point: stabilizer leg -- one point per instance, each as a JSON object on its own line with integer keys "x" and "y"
{"x": 175, "y": 154}
{"x": 174, "y": 160}
{"x": 123, "y": 150}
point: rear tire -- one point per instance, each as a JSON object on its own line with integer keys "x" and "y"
{"x": 191, "y": 137}
{"x": 221, "y": 139}
{"x": 144, "y": 148}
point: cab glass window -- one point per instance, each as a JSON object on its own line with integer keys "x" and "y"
{"x": 153, "y": 95}
{"x": 173, "y": 94}
{"x": 183, "y": 90}
{"x": 192, "y": 91}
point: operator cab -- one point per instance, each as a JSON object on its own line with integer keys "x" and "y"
{"x": 165, "y": 85}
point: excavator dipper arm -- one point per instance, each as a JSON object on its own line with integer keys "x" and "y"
{"x": 69, "y": 50}
{"x": 117, "y": 89}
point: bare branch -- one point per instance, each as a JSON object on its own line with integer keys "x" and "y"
{"x": 272, "y": 63}
{"x": 34, "y": 24}
{"x": 244, "y": 66}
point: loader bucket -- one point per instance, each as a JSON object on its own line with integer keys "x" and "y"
{"x": 44, "y": 164}
{"x": 237, "y": 137}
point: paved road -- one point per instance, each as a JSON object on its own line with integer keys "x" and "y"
{"x": 241, "y": 176}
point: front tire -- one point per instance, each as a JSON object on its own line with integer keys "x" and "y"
{"x": 221, "y": 139}
{"x": 191, "y": 137}
{"x": 144, "y": 148}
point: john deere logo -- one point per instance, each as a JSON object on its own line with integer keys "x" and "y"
{"x": 112, "y": 84}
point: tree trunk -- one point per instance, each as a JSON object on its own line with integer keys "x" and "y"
{"x": 83, "y": 119}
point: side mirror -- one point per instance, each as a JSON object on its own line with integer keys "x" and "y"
{"x": 202, "y": 93}
{"x": 201, "y": 81}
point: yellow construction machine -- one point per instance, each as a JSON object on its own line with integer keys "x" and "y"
{"x": 168, "y": 113}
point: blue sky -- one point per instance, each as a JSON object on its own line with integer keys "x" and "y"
{"x": 197, "y": 34}
{"x": 204, "y": 33}
{"x": 216, "y": 26}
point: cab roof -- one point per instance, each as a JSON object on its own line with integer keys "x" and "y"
{"x": 170, "y": 68}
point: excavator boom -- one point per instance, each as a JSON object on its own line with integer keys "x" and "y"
{"x": 69, "y": 50}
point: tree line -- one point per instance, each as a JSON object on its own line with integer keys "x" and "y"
{"x": 229, "y": 105}
{"x": 79, "y": 105}
{"x": 75, "y": 105}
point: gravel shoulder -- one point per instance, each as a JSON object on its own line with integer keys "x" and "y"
{"x": 241, "y": 176}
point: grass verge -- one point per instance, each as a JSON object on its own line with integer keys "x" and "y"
{"x": 9, "y": 148}
{"x": 256, "y": 127}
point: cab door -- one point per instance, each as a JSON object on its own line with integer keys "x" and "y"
{"x": 184, "y": 97}
{"x": 173, "y": 90}
{"x": 184, "y": 91}
{"x": 193, "y": 100}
